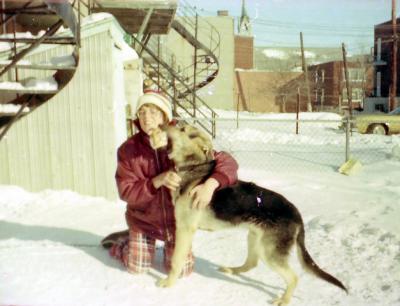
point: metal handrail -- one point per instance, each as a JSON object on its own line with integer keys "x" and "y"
{"x": 168, "y": 75}
{"x": 178, "y": 75}
{"x": 65, "y": 12}
{"x": 171, "y": 71}
{"x": 188, "y": 13}
{"x": 186, "y": 70}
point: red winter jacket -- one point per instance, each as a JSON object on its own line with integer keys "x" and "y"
{"x": 150, "y": 210}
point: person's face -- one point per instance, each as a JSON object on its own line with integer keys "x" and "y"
{"x": 150, "y": 118}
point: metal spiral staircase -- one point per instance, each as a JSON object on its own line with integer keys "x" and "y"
{"x": 145, "y": 23}
{"x": 43, "y": 19}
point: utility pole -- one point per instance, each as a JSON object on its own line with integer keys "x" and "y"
{"x": 393, "y": 92}
{"x": 348, "y": 87}
{"x": 305, "y": 71}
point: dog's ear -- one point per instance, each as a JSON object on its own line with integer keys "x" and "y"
{"x": 193, "y": 134}
{"x": 191, "y": 131}
{"x": 208, "y": 152}
{"x": 184, "y": 127}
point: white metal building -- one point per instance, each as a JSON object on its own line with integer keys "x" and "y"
{"x": 70, "y": 142}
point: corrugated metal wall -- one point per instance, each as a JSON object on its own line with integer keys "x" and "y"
{"x": 70, "y": 141}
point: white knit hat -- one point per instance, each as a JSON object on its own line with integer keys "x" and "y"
{"x": 155, "y": 98}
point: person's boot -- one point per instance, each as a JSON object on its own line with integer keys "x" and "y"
{"x": 111, "y": 239}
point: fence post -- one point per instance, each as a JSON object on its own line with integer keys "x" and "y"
{"x": 214, "y": 126}
{"x": 297, "y": 110}
{"x": 348, "y": 85}
{"x": 348, "y": 128}
{"x": 237, "y": 112}
{"x": 129, "y": 121}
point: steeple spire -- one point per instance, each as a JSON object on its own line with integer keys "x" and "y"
{"x": 244, "y": 26}
{"x": 244, "y": 12}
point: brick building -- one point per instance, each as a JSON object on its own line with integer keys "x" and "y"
{"x": 244, "y": 52}
{"x": 259, "y": 91}
{"x": 383, "y": 59}
{"x": 328, "y": 87}
{"x": 328, "y": 84}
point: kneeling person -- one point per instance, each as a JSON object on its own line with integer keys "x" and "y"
{"x": 144, "y": 177}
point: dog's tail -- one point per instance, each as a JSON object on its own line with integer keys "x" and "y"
{"x": 309, "y": 264}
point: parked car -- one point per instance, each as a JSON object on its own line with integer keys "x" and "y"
{"x": 379, "y": 123}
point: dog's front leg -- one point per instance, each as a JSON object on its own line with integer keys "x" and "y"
{"x": 183, "y": 243}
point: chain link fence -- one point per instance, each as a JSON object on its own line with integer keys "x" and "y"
{"x": 287, "y": 145}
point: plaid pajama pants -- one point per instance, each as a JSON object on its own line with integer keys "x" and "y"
{"x": 137, "y": 254}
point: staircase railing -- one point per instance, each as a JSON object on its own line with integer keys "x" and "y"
{"x": 166, "y": 79}
{"x": 17, "y": 99}
{"x": 178, "y": 80}
{"x": 187, "y": 14}
{"x": 187, "y": 78}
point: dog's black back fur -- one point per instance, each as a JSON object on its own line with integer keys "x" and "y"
{"x": 247, "y": 201}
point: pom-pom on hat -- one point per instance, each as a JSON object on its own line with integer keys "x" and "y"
{"x": 158, "y": 99}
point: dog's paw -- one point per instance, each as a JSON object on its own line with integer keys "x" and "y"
{"x": 166, "y": 282}
{"x": 280, "y": 302}
{"x": 226, "y": 270}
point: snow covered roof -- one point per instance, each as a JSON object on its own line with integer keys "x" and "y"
{"x": 134, "y": 4}
{"x": 90, "y": 25}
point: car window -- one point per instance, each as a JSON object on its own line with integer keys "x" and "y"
{"x": 395, "y": 111}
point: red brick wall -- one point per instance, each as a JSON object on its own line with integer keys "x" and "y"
{"x": 244, "y": 52}
{"x": 259, "y": 91}
{"x": 334, "y": 83}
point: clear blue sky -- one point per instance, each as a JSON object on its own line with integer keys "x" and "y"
{"x": 324, "y": 23}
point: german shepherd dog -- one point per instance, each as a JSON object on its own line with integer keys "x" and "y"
{"x": 275, "y": 225}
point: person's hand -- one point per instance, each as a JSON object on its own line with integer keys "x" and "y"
{"x": 169, "y": 179}
{"x": 202, "y": 194}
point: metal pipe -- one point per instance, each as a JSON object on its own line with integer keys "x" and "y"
{"x": 348, "y": 128}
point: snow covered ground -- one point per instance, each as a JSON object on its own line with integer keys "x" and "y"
{"x": 50, "y": 254}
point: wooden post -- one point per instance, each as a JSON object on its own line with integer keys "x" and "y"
{"x": 305, "y": 70}
{"x": 393, "y": 92}
{"x": 348, "y": 87}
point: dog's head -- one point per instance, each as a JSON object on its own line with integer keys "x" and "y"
{"x": 188, "y": 145}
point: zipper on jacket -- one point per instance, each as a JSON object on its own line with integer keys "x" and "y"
{"x": 167, "y": 233}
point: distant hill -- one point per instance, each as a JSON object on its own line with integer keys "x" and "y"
{"x": 289, "y": 58}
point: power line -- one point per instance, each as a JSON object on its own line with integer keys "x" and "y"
{"x": 303, "y": 25}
